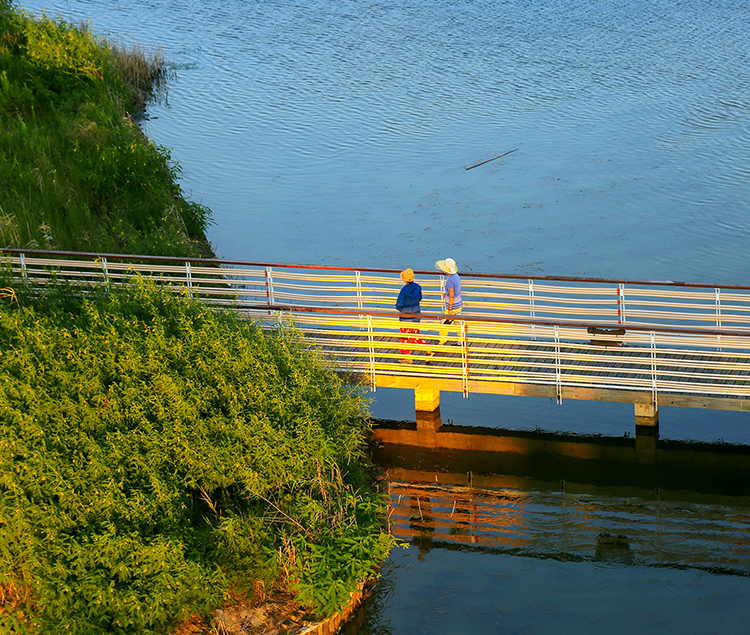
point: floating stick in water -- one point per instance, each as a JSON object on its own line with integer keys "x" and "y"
{"x": 492, "y": 159}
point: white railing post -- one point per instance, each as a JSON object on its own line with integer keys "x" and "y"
{"x": 465, "y": 355}
{"x": 654, "y": 388}
{"x": 371, "y": 347}
{"x": 269, "y": 287}
{"x": 359, "y": 289}
{"x": 23, "y": 268}
{"x": 104, "y": 269}
{"x": 189, "y": 279}
{"x": 442, "y": 293}
{"x": 621, "y": 304}
{"x": 358, "y": 283}
{"x": 718, "y": 315}
{"x": 532, "y": 308}
{"x": 558, "y": 374}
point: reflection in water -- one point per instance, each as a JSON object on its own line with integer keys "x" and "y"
{"x": 542, "y": 562}
{"x": 518, "y": 545}
{"x": 532, "y": 459}
{"x": 613, "y": 549}
{"x": 575, "y": 528}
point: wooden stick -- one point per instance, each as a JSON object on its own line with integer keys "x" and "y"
{"x": 492, "y": 159}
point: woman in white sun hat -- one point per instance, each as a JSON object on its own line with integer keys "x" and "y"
{"x": 452, "y": 298}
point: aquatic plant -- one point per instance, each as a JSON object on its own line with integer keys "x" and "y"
{"x": 156, "y": 455}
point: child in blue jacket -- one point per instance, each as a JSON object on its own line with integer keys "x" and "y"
{"x": 408, "y": 303}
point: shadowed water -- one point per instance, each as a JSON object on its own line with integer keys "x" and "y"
{"x": 339, "y": 133}
{"x": 541, "y": 540}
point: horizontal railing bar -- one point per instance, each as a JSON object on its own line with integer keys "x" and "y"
{"x": 475, "y": 318}
{"x": 219, "y": 263}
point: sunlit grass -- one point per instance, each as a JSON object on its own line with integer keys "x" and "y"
{"x": 76, "y": 172}
{"x": 155, "y": 454}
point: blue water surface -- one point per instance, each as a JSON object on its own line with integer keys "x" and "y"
{"x": 339, "y": 132}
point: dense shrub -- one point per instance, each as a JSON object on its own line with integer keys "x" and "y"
{"x": 76, "y": 172}
{"x": 155, "y": 454}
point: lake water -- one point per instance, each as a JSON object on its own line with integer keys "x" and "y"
{"x": 340, "y": 133}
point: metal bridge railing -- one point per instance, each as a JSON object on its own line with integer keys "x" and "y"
{"x": 561, "y": 299}
{"x": 676, "y": 337}
{"x": 646, "y": 359}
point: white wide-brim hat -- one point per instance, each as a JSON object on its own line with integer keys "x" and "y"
{"x": 447, "y": 266}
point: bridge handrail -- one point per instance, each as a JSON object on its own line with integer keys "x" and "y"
{"x": 514, "y": 330}
{"x": 562, "y": 299}
{"x": 464, "y": 274}
{"x": 604, "y": 326}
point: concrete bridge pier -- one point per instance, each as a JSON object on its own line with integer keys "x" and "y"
{"x": 646, "y": 432}
{"x": 427, "y": 405}
{"x": 426, "y": 399}
{"x": 646, "y": 416}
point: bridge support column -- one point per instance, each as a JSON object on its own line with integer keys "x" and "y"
{"x": 426, "y": 399}
{"x": 646, "y": 432}
{"x": 646, "y": 415}
{"x": 427, "y": 405}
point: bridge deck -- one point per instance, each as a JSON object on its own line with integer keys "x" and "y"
{"x": 626, "y": 373}
{"x": 677, "y": 343}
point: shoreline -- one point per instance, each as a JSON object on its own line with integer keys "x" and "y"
{"x": 279, "y": 613}
{"x": 112, "y": 156}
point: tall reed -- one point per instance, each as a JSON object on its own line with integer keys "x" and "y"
{"x": 145, "y": 71}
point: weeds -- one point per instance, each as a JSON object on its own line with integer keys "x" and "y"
{"x": 155, "y": 455}
{"x": 10, "y": 293}
{"x": 145, "y": 71}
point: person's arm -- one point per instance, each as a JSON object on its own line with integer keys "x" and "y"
{"x": 450, "y": 299}
{"x": 400, "y": 300}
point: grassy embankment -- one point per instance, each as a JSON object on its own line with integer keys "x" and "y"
{"x": 76, "y": 172}
{"x": 156, "y": 458}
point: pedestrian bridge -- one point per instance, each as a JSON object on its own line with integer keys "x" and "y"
{"x": 649, "y": 343}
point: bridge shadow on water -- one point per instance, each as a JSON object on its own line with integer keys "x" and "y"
{"x": 643, "y": 465}
{"x": 635, "y": 502}
{"x": 655, "y": 508}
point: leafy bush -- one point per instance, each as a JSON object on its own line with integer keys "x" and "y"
{"x": 155, "y": 454}
{"x": 76, "y": 172}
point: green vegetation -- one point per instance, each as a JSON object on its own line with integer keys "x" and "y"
{"x": 76, "y": 172}
{"x": 156, "y": 456}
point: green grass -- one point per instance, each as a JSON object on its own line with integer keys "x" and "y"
{"x": 155, "y": 455}
{"x": 76, "y": 172}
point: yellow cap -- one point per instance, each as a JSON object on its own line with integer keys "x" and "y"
{"x": 407, "y": 275}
